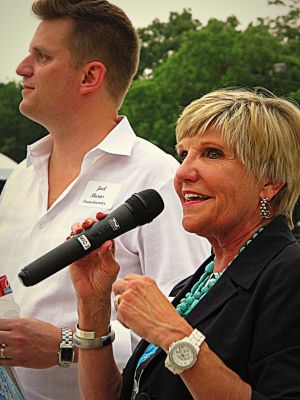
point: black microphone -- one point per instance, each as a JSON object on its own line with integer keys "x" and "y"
{"x": 141, "y": 208}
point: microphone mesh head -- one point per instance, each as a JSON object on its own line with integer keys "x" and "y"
{"x": 146, "y": 205}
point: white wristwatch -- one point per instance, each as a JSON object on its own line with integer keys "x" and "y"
{"x": 183, "y": 353}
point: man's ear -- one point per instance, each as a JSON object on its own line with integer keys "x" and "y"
{"x": 92, "y": 77}
{"x": 270, "y": 190}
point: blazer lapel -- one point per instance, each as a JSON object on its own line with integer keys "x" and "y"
{"x": 217, "y": 296}
{"x": 244, "y": 270}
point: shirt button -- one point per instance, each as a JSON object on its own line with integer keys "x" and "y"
{"x": 41, "y": 225}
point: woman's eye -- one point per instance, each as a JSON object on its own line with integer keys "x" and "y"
{"x": 182, "y": 154}
{"x": 213, "y": 153}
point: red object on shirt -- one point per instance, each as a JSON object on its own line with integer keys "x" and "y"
{"x": 4, "y": 286}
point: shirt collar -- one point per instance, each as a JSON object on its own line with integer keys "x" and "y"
{"x": 119, "y": 141}
{"x": 41, "y": 148}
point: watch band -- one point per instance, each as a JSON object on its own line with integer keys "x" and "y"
{"x": 66, "y": 349}
{"x": 85, "y": 334}
{"x": 196, "y": 338}
{"x": 81, "y": 340}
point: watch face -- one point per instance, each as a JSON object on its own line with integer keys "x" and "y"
{"x": 66, "y": 354}
{"x": 183, "y": 355}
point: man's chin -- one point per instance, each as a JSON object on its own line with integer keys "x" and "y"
{"x": 23, "y": 108}
{"x": 27, "y": 112}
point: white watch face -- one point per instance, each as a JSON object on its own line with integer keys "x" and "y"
{"x": 183, "y": 355}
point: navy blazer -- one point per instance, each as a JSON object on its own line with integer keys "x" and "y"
{"x": 251, "y": 320}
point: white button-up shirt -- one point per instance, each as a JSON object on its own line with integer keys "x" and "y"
{"x": 122, "y": 164}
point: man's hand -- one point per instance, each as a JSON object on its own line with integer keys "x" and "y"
{"x": 30, "y": 343}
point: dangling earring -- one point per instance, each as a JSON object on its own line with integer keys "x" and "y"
{"x": 265, "y": 208}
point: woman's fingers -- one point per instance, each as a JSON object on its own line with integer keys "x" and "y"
{"x": 78, "y": 227}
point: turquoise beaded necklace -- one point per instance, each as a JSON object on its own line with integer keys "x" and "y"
{"x": 207, "y": 280}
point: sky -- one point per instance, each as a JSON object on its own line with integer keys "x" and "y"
{"x": 17, "y": 25}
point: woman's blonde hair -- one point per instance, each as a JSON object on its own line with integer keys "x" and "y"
{"x": 262, "y": 129}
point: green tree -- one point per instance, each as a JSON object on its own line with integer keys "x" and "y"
{"x": 217, "y": 55}
{"x": 295, "y": 96}
{"x": 160, "y": 39}
{"x": 286, "y": 26}
{"x": 16, "y": 131}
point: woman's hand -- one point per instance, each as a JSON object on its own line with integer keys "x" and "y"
{"x": 94, "y": 274}
{"x": 144, "y": 309}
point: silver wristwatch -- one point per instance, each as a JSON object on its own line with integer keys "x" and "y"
{"x": 183, "y": 353}
{"x": 66, "y": 348}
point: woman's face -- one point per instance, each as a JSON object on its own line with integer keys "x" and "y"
{"x": 220, "y": 199}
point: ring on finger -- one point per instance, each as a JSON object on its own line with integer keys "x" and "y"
{"x": 2, "y": 351}
{"x": 117, "y": 301}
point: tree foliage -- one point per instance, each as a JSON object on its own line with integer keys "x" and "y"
{"x": 16, "y": 132}
{"x": 160, "y": 39}
{"x": 213, "y": 56}
{"x": 181, "y": 60}
{"x": 286, "y": 26}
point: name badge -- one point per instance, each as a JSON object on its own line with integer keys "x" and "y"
{"x": 99, "y": 194}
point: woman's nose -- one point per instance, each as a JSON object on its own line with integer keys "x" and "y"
{"x": 186, "y": 171}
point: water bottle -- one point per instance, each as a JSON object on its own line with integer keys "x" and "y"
{"x": 10, "y": 388}
{"x": 8, "y": 306}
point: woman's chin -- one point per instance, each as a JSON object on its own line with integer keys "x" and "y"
{"x": 190, "y": 226}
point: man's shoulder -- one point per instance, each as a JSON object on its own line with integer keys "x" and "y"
{"x": 18, "y": 172}
{"x": 17, "y": 180}
{"x": 149, "y": 151}
{"x": 150, "y": 166}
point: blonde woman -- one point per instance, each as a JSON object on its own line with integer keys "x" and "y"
{"x": 233, "y": 329}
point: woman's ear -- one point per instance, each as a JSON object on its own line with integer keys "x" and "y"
{"x": 92, "y": 77}
{"x": 270, "y": 190}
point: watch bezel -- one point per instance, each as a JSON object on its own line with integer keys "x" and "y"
{"x": 179, "y": 362}
{"x": 194, "y": 341}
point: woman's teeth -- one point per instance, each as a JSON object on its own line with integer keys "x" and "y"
{"x": 193, "y": 196}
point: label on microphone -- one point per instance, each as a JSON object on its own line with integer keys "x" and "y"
{"x": 114, "y": 224}
{"x": 83, "y": 240}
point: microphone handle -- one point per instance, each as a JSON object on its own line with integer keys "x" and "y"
{"x": 113, "y": 225}
{"x": 52, "y": 262}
